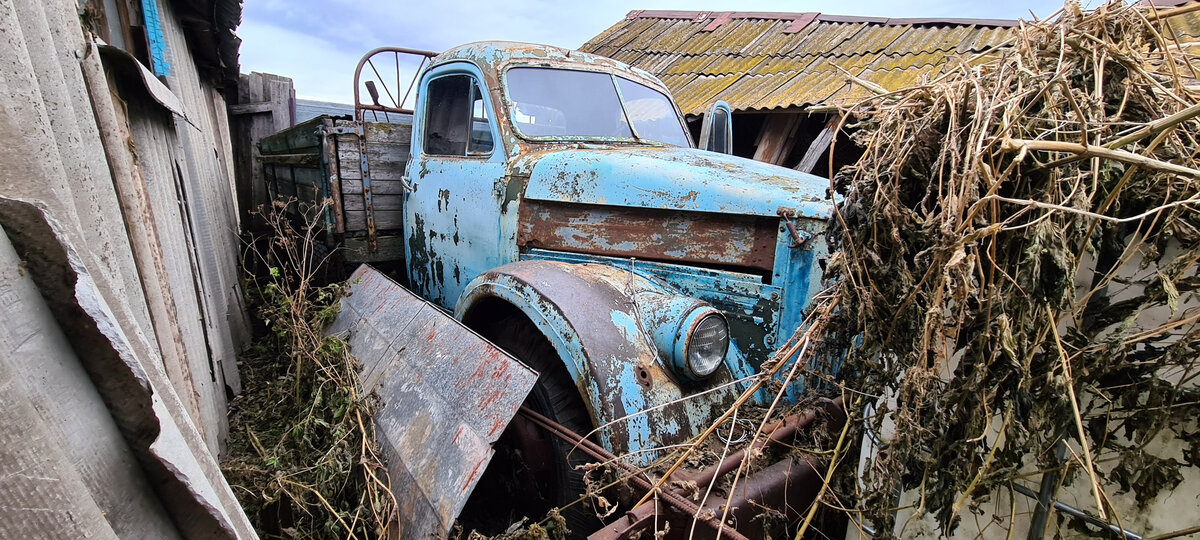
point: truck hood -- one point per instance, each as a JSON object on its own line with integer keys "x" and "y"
{"x": 671, "y": 178}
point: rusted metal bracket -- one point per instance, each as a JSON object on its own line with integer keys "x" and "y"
{"x": 623, "y": 528}
{"x": 789, "y": 485}
{"x": 799, "y": 237}
{"x": 372, "y": 241}
{"x": 333, "y": 183}
{"x": 360, "y": 133}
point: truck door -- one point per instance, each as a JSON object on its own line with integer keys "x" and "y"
{"x": 452, "y": 213}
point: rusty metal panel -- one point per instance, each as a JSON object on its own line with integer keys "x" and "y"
{"x": 446, "y": 394}
{"x": 666, "y": 235}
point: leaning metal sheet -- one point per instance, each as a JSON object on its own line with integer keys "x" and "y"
{"x": 447, "y": 395}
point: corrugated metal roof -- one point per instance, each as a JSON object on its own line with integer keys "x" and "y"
{"x": 762, "y": 61}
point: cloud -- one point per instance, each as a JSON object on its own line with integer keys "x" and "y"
{"x": 320, "y": 70}
{"x": 318, "y": 42}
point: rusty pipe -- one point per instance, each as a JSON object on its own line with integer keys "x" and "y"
{"x": 778, "y": 431}
{"x": 594, "y": 450}
{"x": 788, "y": 486}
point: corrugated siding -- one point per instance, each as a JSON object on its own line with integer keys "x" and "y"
{"x": 57, "y": 161}
{"x": 207, "y": 181}
{"x": 46, "y": 97}
{"x": 159, "y": 154}
{"x": 756, "y": 64}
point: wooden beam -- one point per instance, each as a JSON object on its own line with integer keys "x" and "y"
{"x": 777, "y": 138}
{"x": 818, "y": 146}
{"x": 252, "y": 108}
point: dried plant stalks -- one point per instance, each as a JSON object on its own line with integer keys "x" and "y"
{"x": 1020, "y": 240}
{"x": 302, "y": 453}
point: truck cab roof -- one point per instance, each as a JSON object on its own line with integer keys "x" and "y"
{"x": 492, "y": 57}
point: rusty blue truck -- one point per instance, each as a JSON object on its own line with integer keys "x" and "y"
{"x": 556, "y": 203}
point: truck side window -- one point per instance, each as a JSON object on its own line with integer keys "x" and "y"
{"x": 456, "y": 122}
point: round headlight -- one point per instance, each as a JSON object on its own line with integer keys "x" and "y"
{"x": 706, "y": 345}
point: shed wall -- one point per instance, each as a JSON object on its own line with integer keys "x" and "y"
{"x": 142, "y": 198}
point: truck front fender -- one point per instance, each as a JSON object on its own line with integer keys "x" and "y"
{"x": 590, "y": 315}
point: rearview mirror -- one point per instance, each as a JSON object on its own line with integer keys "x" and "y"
{"x": 716, "y": 135}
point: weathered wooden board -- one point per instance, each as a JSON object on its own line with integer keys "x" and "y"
{"x": 379, "y": 201}
{"x": 447, "y": 396}
{"x": 388, "y": 248}
{"x": 307, "y": 176}
{"x": 300, "y": 160}
{"x": 294, "y": 140}
{"x": 386, "y": 161}
{"x": 356, "y": 220}
{"x": 378, "y": 187}
{"x": 389, "y": 133}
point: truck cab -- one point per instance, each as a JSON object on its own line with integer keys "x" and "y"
{"x": 564, "y": 188}
{"x": 555, "y": 203}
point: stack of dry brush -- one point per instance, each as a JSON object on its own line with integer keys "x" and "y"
{"x": 1017, "y": 270}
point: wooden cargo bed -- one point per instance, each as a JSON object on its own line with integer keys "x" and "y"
{"x": 321, "y": 159}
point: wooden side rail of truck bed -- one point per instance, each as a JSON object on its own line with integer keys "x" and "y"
{"x": 320, "y": 160}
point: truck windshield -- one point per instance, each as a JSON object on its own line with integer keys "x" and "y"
{"x": 570, "y": 104}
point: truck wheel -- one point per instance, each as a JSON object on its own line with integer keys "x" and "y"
{"x": 532, "y": 470}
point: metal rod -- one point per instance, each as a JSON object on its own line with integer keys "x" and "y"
{"x": 358, "y": 106}
{"x": 1080, "y": 514}
{"x": 412, "y": 82}
{"x": 1037, "y": 528}
{"x": 594, "y": 450}
{"x": 381, "y": 83}
{"x": 777, "y": 432}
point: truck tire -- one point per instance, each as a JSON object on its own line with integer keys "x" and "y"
{"x": 529, "y": 455}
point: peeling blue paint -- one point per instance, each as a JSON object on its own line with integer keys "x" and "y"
{"x": 614, "y": 322}
{"x": 675, "y": 178}
{"x": 641, "y": 438}
{"x": 154, "y": 37}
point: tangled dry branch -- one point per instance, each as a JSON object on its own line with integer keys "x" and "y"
{"x": 1017, "y": 265}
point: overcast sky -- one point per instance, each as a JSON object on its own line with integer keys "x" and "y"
{"x": 318, "y": 42}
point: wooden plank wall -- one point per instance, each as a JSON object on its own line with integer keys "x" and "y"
{"x": 265, "y": 104}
